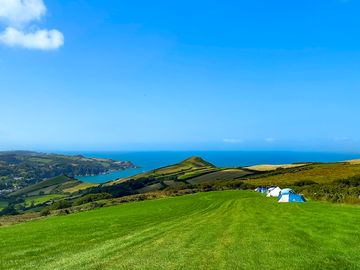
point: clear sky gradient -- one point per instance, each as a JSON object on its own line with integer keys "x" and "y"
{"x": 169, "y": 75}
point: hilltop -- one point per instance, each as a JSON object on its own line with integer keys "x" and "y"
{"x": 188, "y": 167}
{"x": 197, "y": 162}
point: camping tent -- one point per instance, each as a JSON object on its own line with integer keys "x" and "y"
{"x": 273, "y": 192}
{"x": 288, "y": 195}
{"x": 287, "y": 191}
{"x": 261, "y": 189}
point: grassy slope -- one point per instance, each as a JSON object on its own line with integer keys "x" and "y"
{"x": 267, "y": 167}
{"x": 320, "y": 173}
{"x": 217, "y": 230}
{"x": 196, "y": 171}
{"x": 42, "y": 199}
{"x": 80, "y": 186}
{"x": 223, "y": 175}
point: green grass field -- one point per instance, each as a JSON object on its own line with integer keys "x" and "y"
{"x": 42, "y": 199}
{"x": 223, "y": 175}
{"x": 215, "y": 230}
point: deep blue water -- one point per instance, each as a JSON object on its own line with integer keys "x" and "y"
{"x": 152, "y": 160}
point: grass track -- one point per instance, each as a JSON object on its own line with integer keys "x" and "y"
{"x": 217, "y": 230}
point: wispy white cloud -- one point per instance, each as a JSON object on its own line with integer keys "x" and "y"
{"x": 18, "y": 15}
{"x": 231, "y": 140}
{"x": 342, "y": 139}
{"x": 270, "y": 140}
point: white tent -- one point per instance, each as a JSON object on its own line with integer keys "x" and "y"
{"x": 274, "y": 192}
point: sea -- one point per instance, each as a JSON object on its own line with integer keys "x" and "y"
{"x": 147, "y": 161}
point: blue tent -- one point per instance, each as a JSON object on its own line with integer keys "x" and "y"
{"x": 287, "y": 191}
{"x": 288, "y": 195}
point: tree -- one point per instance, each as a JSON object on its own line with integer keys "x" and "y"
{"x": 9, "y": 210}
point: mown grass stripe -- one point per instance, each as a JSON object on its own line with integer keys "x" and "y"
{"x": 215, "y": 230}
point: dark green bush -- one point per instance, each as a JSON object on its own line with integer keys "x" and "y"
{"x": 45, "y": 212}
{"x": 92, "y": 198}
{"x": 304, "y": 183}
{"x": 339, "y": 191}
{"x": 9, "y": 211}
{"x": 60, "y": 205}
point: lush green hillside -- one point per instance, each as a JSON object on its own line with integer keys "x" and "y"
{"x": 221, "y": 175}
{"x": 216, "y": 230}
{"x": 269, "y": 168}
{"x": 35, "y": 197}
{"x": 185, "y": 169}
{"x": 336, "y": 182}
{"x": 41, "y": 199}
{"x": 319, "y": 173}
{"x": 192, "y": 171}
{"x": 50, "y": 186}
{"x": 316, "y": 181}
{"x": 19, "y": 169}
{"x": 39, "y": 195}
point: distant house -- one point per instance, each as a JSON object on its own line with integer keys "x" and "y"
{"x": 273, "y": 192}
{"x": 289, "y": 195}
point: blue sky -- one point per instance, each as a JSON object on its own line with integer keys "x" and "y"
{"x": 154, "y": 75}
